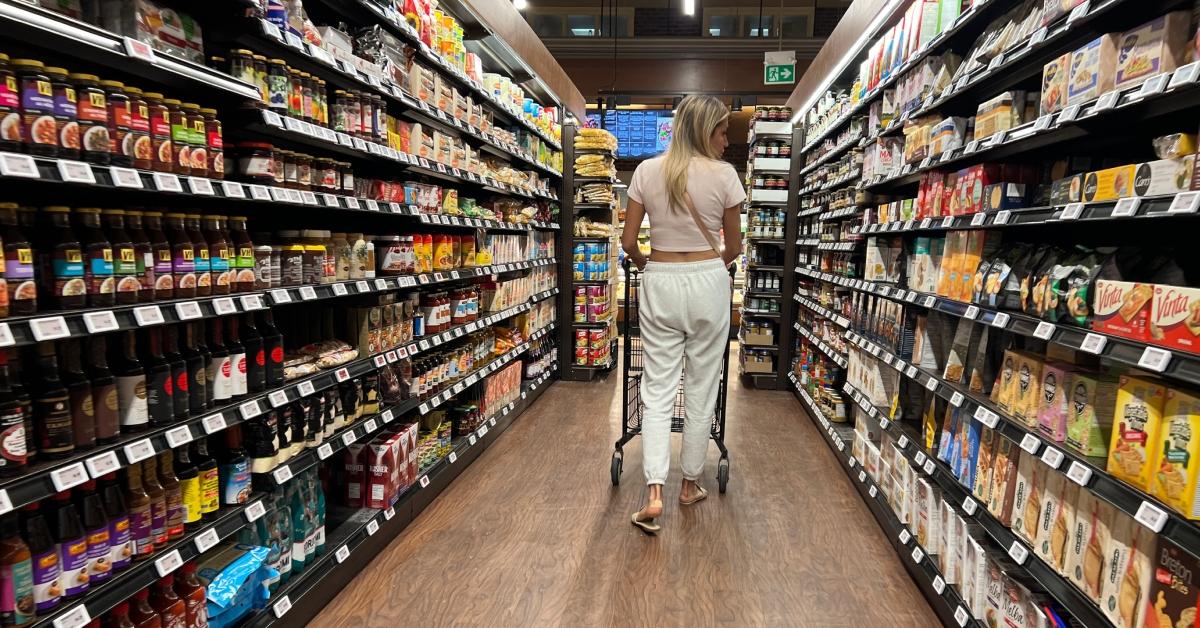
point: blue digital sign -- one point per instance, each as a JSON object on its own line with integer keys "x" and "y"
{"x": 640, "y": 133}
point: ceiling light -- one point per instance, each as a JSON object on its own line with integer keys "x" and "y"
{"x": 689, "y": 7}
{"x": 521, "y": 5}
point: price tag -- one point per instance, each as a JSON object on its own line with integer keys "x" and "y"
{"x": 281, "y": 296}
{"x": 148, "y": 315}
{"x": 956, "y": 399}
{"x": 987, "y": 417}
{"x": 362, "y": 287}
{"x": 125, "y": 177}
{"x": 308, "y": 293}
{"x": 351, "y": 202}
{"x": 996, "y": 62}
{"x": 324, "y": 451}
{"x": 341, "y": 554}
{"x": 911, "y": 372}
{"x": 969, "y": 505}
{"x": 75, "y": 171}
{"x": 918, "y": 555}
{"x": 971, "y": 147}
{"x": 1107, "y": 101}
{"x": 1094, "y": 343}
{"x": 188, "y": 310}
{"x": 178, "y": 436}
{"x": 339, "y": 289}
{"x": 167, "y": 182}
{"x": 1043, "y": 123}
{"x": 277, "y": 398}
{"x": 1126, "y": 207}
{"x": 1185, "y": 74}
{"x": 452, "y": 457}
{"x": 1078, "y": 12}
{"x": 201, "y": 186}
{"x": 1151, "y": 516}
{"x": 1155, "y": 359}
{"x": 920, "y": 458}
{"x": 424, "y": 481}
{"x": 330, "y": 200}
{"x": 1031, "y": 443}
{"x": 381, "y": 284}
{"x": 249, "y": 410}
{"x": 978, "y": 219}
{"x": 139, "y": 450}
{"x": 282, "y": 474}
{"x": 1052, "y": 457}
{"x": 1154, "y": 85}
{"x": 213, "y": 423}
{"x": 68, "y": 477}
{"x": 97, "y": 322}
{"x": 1002, "y": 217}
{"x": 207, "y": 540}
{"x": 939, "y": 585}
{"x": 960, "y": 614}
{"x": 972, "y": 312}
{"x": 1018, "y": 552}
{"x": 102, "y": 464}
{"x": 1000, "y": 320}
{"x": 49, "y": 328}
{"x": 348, "y": 438}
{"x": 1079, "y": 473}
{"x": 1068, "y": 114}
{"x": 902, "y": 441}
{"x": 931, "y": 384}
{"x": 305, "y": 388}
{"x": 1044, "y": 330}
{"x": 372, "y": 527}
{"x": 17, "y": 165}
{"x": 929, "y": 467}
{"x": 904, "y": 536}
{"x": 280, "y": 608}
{"x": 251, "y": 302}
{"x": 873, "y": 491}
{"x": 387, "y": 416}
{"x": 862, "y": 476}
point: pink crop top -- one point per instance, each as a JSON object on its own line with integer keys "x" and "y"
{"x": 713, "y": 186}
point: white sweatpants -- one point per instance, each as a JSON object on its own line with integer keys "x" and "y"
{"x": 684, "y": 316}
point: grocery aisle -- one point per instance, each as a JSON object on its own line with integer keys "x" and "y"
{"x": 533, "y": 533}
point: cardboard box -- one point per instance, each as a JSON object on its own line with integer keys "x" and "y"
{"x": 1178, "y": 454}
{"x": 1156, "y": 47}
{"x": 1136, "y": 423}
{"x": 1109, "y": 184}
{"x": 1053, "y": 96}
{"x": 1092, "y": 69}
{"x": 1027, "y": 497}
{"x": 1122, "y": 308}
{"x": 1175, "y": 318}
{"x": 1172, "y": 599}
{"x": 1163, "y": 176}
{"x": 1084, "y": 556}
{"x": 1004, "y": 480}
{"x": 1091, "y": 398}
{"x": 1052, "y": 403}
{"x": 998, "y": 196}
{"x": 1052, "y": 529}
{"x": 1067, "y": 190}
{"x": 1025, "y": 389}
{"x": 759, "y": 338}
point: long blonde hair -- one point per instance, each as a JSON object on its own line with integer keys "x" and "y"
{"x": 695, "y": 120}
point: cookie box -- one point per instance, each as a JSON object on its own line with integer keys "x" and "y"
{"x": 1067, "y": 190}
{"x": 1085, "y": 547}
{"x": 1178, "y": 454}
{"x": 1122, "y": 308}
{"x": 1109, "y": 184}
{"x": 1092, "y": 69}
{"x": 1053, "y": 96}
{"x": 1136, "y": 422}
{"x": 1175, "y": 318}
{"x": 1163, "y": 176}
{"x": 1156, "y": 47}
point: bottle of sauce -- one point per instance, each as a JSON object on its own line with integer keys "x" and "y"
{"x": 197, "y": 368}
{"x": 170, "y": 608}
{"x": 273, "y": 348}
{"x": 179, "y": 372}
{"x": 256, "y": 356}
{"x": 189, "y": 486}
{"x": 106, "y": 400}
{"x": 39, "y": 131}
{"x": 202, "y": 349}
{"x": 16, "y": 575}
{"x": 92, "y": 115}
{"x": 64, "y": 258}
{"x": 65, "y": 113}
{"x": 237, "y": 360}
{"x": 143, "y": 256}
{"x": 79, "y": 390}
{"x": 138, "y": 502}
{"x": 118, "y": 123}
{"x": 163, "y": 251}
{"x": 120, "y": 538}
{"x": 158, "y": 502}
{"x": 234, "y": 469}
{"x": 47, "y": 591}
{"x": 196, "y": 137}
{"x": 203, "y": 258}
{"x": 210, "y": 483}
{"x": 141, "y": 146}
{"x": 118, "y": 617}
{"x": 220, "y": 369}
{"x": 19, "y": 273}
{"x": 194, "y": 595}
{"x": 215, "y": 144}
{"x": 124, "y": 258}
{"x": 183, "y": 257}
{"x": 242, "y": 249}
{"x": 181, "y": 137}
{"x": 96, "y": 530}
{"x": 52, "y": 407}
{"x": 160, "y": 388}
{"x": 98, "y": 258}
{"x": 12, "y": 425}
{"x": 20, "y": 394}
{"x": 71, "y": 542}
{"x": 220, "y": 255}
{"x": 160, "y": 133}
{"x": 262, "y": 437}
{"x": 174, "y": 494}
{"x": 134, "y": 412}
{"x": 142, "y": 614}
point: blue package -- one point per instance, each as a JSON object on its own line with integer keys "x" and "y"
{"x": 238, "y": 587}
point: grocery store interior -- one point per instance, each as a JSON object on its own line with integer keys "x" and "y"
{"x": 328, "y": 313}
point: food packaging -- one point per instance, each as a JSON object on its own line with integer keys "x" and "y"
{"x": 1178, "y": 455}
{"x": 1025, "y": 389}
{"x": 1122, "y": 308}
{"x": 1175, "y": 318}
{"x": 1135, "y": 433}
{"x": 1067, "y": 190}
{"x": 998, "y": 196}
{"x": 1091, "y": 398}
{"x": 1053, "y": 96}
{"x": 1153, "y": 48}
{"x": 1051, "y": 538}
{"x": 1163, "y": 176}
{"x": 1092, "y": 69}
{"x": 1109, "y": 184}
{"x": 1027, "y": 498}
{"x": 1052, "y": 403}
{"x": 1171, "y": 601}
{"x": 1084, "y": 555}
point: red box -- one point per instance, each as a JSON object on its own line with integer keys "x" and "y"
{"x": 1122, "y": 308}
{"x": 380, "y": 463}
{"x": 1175, "y": 318}
{"x": 355, "y": 462}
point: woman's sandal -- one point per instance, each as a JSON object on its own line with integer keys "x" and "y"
{"x": 647, "y": 525}
{"x": 698, "y": 495}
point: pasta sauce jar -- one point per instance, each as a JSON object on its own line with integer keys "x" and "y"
{"x": 10, "y": 107}
{"x": 91, "y": 106}
{"x": 39, "y": 130}
{"x": 65, "y": 113}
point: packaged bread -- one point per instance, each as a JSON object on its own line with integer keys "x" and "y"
{"x": 1091, "y": 399}
{"x": 1027, "y": 496}
{"x": 1177, "y": 455}
{"x": 1051, "y": 538}
{"x": 1156, "y": 47}
{"x": 1171, "y": 601}
{"x": 1136, "y": 422}
{"x": 993, "y": 611}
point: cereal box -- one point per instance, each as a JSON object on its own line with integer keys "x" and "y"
{"x": 1092, "y": 69}
{"x": 1122, "y": 308}
{"x": 1174, "y": 588}
{"x": 1155, "y": 47}
{"x": 1052, "y": 401}
{"x": 1091, "y": 398}
{"x": 1175, "y": 470}
{"x": 1135, "y": 431}
{"x": 1027, "y": 497}
{"x": 1175, "y": 318}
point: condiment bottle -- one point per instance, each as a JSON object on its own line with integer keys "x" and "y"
{"x": 118, "y": 617}
{"x": 273, "y": 350}
{"x": 163, "y": 254}
{"x": 10, "y": 107}
{"x": 12, "y": 425}
{"x": 120, "y": 538}
{"x": 215, "y": 144}
{"x": 138, "y": 502}
{"x": 141, "y": 146}
{"x": 98, "y": 258}
{"x": 66, "y": 286}
{"x": 92, "y": 114}
{"x": 220, "y": 256}
{"x": 210, "y": 483}
{"x": 20, "y": 389}
{"x": 16, "y": 575}
{"x": 220, "y": 375}
{"x": 124, "y": 258}
{"x": 79, "y": 391}
{"x": 196, "y": 137}
{"x": 134, "y": 412}
{"x": 158, "y": 502}
{"x": 120, "y": 142}
{"x": 234, "y": 469}
{"x": 183, "y": 260}
{"x": 194, "y": 595}
{"x": 47, "y": 592}
{"x": 19, "y": 274}
{"x": 202, "y": 261}
{"x": 242, "y": 256}
{"x": 162, "y": 153}
{"x": 65, "y": 113}
{"x": 52, "y": 407}
{"x": 143, "y": 255}
{"x": 141, "y": 613}
{"x": 238, "y": 386}
{"x": 174, "y": 494}
{"x": 189, "y": 486}
{"x": 96, "y": 530}
{"x": 160, "y": 387}
{"x": 105, "y": 397}
{"x": 181, "y": 144}
{"x": 179, "y": 373}
{"x": 170, "y": 608}
{"x": 256, "y": 358}
{"x": 71, "y": 542}
{"x": 197, "y": 369}
{"x": 39, "y": 131}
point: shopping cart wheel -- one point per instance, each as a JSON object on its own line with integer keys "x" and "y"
{"x": 616, "y": 467}
{"x": 722, "y": 474}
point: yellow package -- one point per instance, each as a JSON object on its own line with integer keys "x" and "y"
{"x": 1002, "y": 391}
{"x": 1026, "y": 385}
{"x": 1176, "y": 455}
{"x": 1135, "y": 430}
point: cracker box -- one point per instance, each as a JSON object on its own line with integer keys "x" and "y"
{"x": 993, "y": 591}
{"x": 1020, "y": 604}
{"x": 1122, "y": 308}
{"x": 1052, "y": 530}
{"x": 1002, "y": 392}
{"x": 999, "y": 196}
{"x": 1156, "y": 47}
{"x": 1052, "y": 401}
{"x": 1135, "y": 577}
{"x": 1067, "y": 190}
{"x": 1178, "y": 454}
{"x": 982, "y": 482}
{"x": 1117, "y": 554}
{"x": 1136, "y": 422}
{"x": 1091, "y": 398}
{"x": 1163, "y": 176}
{"x": 1092, "y": 68}
{"x": 1175, "y": 318}
{"x": 1172, "y": 600}
{"x": 974, "y": 572}
{"x": 1054, "y": 85}
{"x": 1027, "y": 497}
{"x": 1004, "y": 480}
{"x": 1109, "y": 184}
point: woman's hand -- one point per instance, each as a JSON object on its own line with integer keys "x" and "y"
{"x": 638, "y": 258}
{"x": 634, "y": 212}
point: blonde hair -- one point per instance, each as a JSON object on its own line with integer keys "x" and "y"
{"x": 695, "y": 121}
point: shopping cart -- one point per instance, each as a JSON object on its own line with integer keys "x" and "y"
{"x": 632, "y": 406}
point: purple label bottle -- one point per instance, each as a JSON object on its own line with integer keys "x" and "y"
{"x": 73, "y": 558}
{"x": 47, "y": 592}
{"x": 120, "y": 541}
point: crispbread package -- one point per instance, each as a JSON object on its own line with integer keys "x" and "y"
{"x": 929, "y": 423}
{"x": 1135, "y": 582}
{"x": 947, "y": 438}
{"x": 1082, "y": 556}
{"x": 928, "y": 519}
{"x": 1025, "y": 389}
{"x": 1004, "y": 480}
{"x": 1052, "y": 403}
{"x": 974, "y": 568}
{"x": 1063, "y": 525}
{"x": 1002, "y": 391}
{"x": 993, "y": 609}
{"x": 982, "y": 485}
{"x": 1027, "y": 497}
{"x": 1135, "y": 432}
{"x": 1178, "y": 454}
{"x": 957, "y": 359}
{"x": 947, "y": 556}
{"x": 1051, "y": 537}
{"x": 1126, "y": 575}
{"x": 965, "y": 466}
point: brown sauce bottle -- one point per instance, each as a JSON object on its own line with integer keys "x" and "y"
{"x": 183, "y": 255}
{"x": 98, "y": 258}
{"x": 201, "y": 261}
{"x": 163, "y": 253}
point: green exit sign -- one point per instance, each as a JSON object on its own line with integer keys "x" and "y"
{"x": 779, "y": 74}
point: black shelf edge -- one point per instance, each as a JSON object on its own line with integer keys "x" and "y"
{"x": 838, "y": 357}
{"x": 834, "y": 152}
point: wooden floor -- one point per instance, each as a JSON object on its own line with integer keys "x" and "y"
{"x": 534, "y": 534}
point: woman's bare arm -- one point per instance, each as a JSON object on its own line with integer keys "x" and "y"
{"x": 732, "y": 224}
{"x": 634, "y": 212}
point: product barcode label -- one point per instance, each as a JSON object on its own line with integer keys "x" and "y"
{"x": 282, "y": 474}
{"x": 1052, "y": 457}
{"x": 1018, "y": 552}
{"x": 280, "y": 608}
{"x": 1151, "y": 516}
{"x": 341, "y": 554}
{"x": 139, "y": 450}
{"x": 206, "y": 540}
{"x": 324, "y": 451}
{"x": 1094, "y": 343}
{"x": 1155, "y": 359}
{"x": 179, "y": 436}
{"x": 1079, "y": 473}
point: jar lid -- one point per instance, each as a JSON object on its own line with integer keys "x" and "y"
{"x": 133, "y": 91}
{"x": 260, "y": 57}
{"x": 114, "y": 212}
{"x": 278, "y": 61}
{"x": 117, "y": 84}
{"x": 153, "y": 214}
{"x": 8, "y": 205}
{"x": 237, "y": 218}
{"x": 57, "y": 71}
{"x": 134, "y": 212}
{"x": 56, "y": 209}
{"x": 208, "y": 111}
{"x": 289, "y": 233}
{"x": 256, "y": 145}
{"x": 174, "y": 215}
{"x": 154, "y": 95}
{"x": 242, "y": 51}
{"x": 3, "y": 57}
{"x": 190, "y": 216}
{"x": 191, "y": 106}
{"x": 83, "y": 77}
{"x": 28, "y": 63}
{"x": 171, "y": 101}
{"x": 87, "y": 210}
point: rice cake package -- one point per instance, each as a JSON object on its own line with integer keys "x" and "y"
{"x": 1136, "y": 423}
{"x": 1025, "y": 389}
{"x": 1084, "y": 555}
{"x": 1020, "y": 606}
{"x": 1052, "y": 403}
{"x": 979, "y": 380}
{"x": 1178, "y": 454}
{"x": 1004, "y": 480}
{"x": 1172, "y": 599}
{"x": 1027, "y": 496}
{"x": 1090, "y": 404}
{"x": 1156, "y": 47}
{"x": 1051, "y": 534}
{"x": 1122, "y": 308}
{"x": 974, "y": 573}
{"x": 1092, "y": 68}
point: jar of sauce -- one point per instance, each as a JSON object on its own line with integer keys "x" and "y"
{"x": 65, "y": 113}
{"x": 241, "y": 65}
{"x": 63, "y": 255}
{"x": 201, "y": 258}
{"x": 263, "y": 264}
{"x": 255, "y": 163}
{"x": 260, "y": 75}
{"x": 214, "y": 143}
{"x": 181, "y": 145}
{"x": 220, "y": 257}
{"x": 346, "y": 175}
{"x": 39, "y": 130}
{"x": 314, "y": 257}
{"x": 326, "y": 175}
{"x": 242, "y": 264}
{"x": 98, "y": 258}
{"x": 291, "y": 173}
{"x": 163, "y": 157}
{"x": 295, "y": 94}
{"x": 128, "y": 283}
{"x": 118, "y": 123}
{"x": 20, "y": 273}
{"x": 291, "y": 259}
{"x": 322, "y": 97}
{"x": 303, "y": 171}
{"x": 277, "y": 165}
{"x": 143, "y": 255}
{"x": 163, "y": 252}
{"x": 196, "y": 138}
{"x": 306, "y": 97}
{"x": 139, "y": 129}
{"x": 10, "y": 107}
{"x": 183, "y": 257}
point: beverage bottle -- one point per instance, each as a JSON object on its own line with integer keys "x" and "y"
{"x": 120, "y": 534}
{"x": 127, "y": 281}
{"x": 20, "y": 395}
{"x": 220, "y": 375}
{"x": 197, "y": 368}
{"x": 237, "y": 360}
{"x": 160, "y": 387}
{"x": 158, "y": 502}
{"x": 234, "y": 469}
{"x": 256, "y": 356}
{"x": 79, "y": 392}
{"x": 273, "y": 350}
{"x": 202, "y": 262}
{"x": 189, "y": 486}
{"x": 52, "y": 407}
{"x": 210, "y": 483}
{"x": 47, "y": 592}
{"x": 16, "y": 575}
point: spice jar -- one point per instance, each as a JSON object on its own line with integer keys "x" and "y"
{"x": 278, "y": 86}
{"x": 196, "y": 137}
{"x": 139, "y": 129}
{"x": 39, "y": 131}
{"x": 162, "y": 156}
{"x": 214, "y": 143}
{"x": 10, "y": 107}
{"x": 255, "y": 163}
{"x": 181, "y": 146}
{"x": 65, "y": 283}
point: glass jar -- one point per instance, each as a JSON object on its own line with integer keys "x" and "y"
{"x": 196, "y": 138}
{"x": 139, "y": 129}
{"x": 65, "y": 282}
{"x": 306, "y": 97}
{"x": 278, "y": 86}
{"x": 161, "y": 155}
{"x": 347, "y": 177}
{"x": 344, "y": 256}
{"x": 39, "y": 130}
{"x": 390, "y": 256}
{"x": 366, "y": 117}
{"x": 277, "y": 165}
{"x": 120, "y": 141}
{"x": 263, "y": 272}
{"x": 322, "y": 103}
{"x": 291, "y": 259}
{"x": 215, "y": 144}
{"x": 162, "y": 254}
{"x": 10, "y": 107}
{"x": 314, "y": 257}
{"x": 255, "y": 163}
{"x": 97, "y": 258}
{"x": 291, "y": 177}
{"x": 241, "y": 65}
{"x": 325, "y": 174}
{"x": 380, "y": 119}
{"x": 181, "y": 145}
{"x": 64, "y": 113}
{"x": 304, "y": 171}
{"x": 295, "y": 94}
{"x": 260, "y": 77}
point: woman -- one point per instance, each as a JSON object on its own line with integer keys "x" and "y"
{"x": 689, "y": 195}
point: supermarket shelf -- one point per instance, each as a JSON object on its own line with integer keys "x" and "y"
{"x": 812, "y": 211}
{"x": 1081, "y": 607}
{"x": 596, "y": 324}
{"x": 837, "y": 150}
{"x": 837, "y": 246}
{"x": 837, "y": 356}
{"x": 946, "y": 602}
{"x": 838, "y": 319}
{"x": 594, "y": 206}
{"x": 845, "y": 212}
{"x": 778, "y": 241}
{"x": 760, "y": 313}
{"x": 760, "y": 267}
{"x": 763, "y": 295}
{"x": 604, "y": 240}
{"x": 808, "y": 242}
{"x": 358, "y": 540}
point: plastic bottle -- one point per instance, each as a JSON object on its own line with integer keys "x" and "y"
{"x": 12, "y": 424}
{"x": 234, "y": 469}
{"x": 44, "y": 558}
{"x": 193, "y": 593}
{"x": 167, "y": 603}
{"x": 95, "y": 526}
{"x": 71, "y": 543}
{"x": 138, "y": 501}
{"x": 210, "y": 483}
{"x": 189, "y": 486}
{"x": 16, "y": 575}
{"x": 141, "y": 613}
{"x": 158, "y": 502}
{"x": 173, "y": 492}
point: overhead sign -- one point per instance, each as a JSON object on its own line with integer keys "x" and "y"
{"x": 779, "y": 67}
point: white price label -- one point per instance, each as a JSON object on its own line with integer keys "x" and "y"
{"x": 956, "y": 399}
{"x": 388, "y": 513}
{"x": 167, "y": 182}
{"x": 206, "y": 540}
{"x": 16, "y": 165}
{"x": 148, "y": 315}
{"x": 978, "y": 219}
{"x": 1079, "y": 473}
{"x": 224, "y": 306}
{"x": 902, "y": 442}
{"x": 282, "y": 474}
{"x": 960, "y": 614}
{"x": 255, "y": 511}
{"x": 931, "y": 384}
{"x": 201, "y": 186}
{"x": 277, "y": 398}
{"x": 929, "y": 301}
{"x": 68, "y": 477}
{"x": 1154, "y": 85}
{"x": 339, "y": 289}
{"x": 341, "y": 554}
{"x": 125, "y": 178}
{"x": 929, "y": 466}
{"x": 251, "y": 302}
{"x": 75, "y": 171}
{"x": 1078, "y": 13}
{"x": 1052, "y": 457}
{"x": 138, "y": 451}
{"x": 168, "y": 563}
{"x": 372, "y": 527}
{"x": 947, "y": 222}
{"x": 987, "y": 417}
{"x": 862, "y": 476}
{"x": 352, "y": 203}
{"x": 1151, "y": 516}
{"x": 280, "y": 608}
{"x": 260, "y": 193}
{"x": 330, "y": 200}
{"x": 1002, "y": 217}
{"x": 102, "y": 464}
{"x": 381, "y": 284}
{"x": 179, "y": 436}
{"x": 424, "y": 481}
{"x": 1043, "y": 123}
{"x": 969, "y": 505}
{"x": 911, "y": 372}
{"x": 348, "y": 438}
{"x": 1068, "y": 114}
{"x": 920, "y": 458}
{"x": 939, "y": 585}
{"x": 213, "y": 423}
{"x": 1107, "y": 101}
{"x": 308, "y": 293}
{"x": 97, "y": 322}
{"x": 281, "y": 296}
{"x": 996, "y": 62}
{"x": 1044, "y": 330}
{"x": 1155, "y": 359}
{"x": 1018, "y": 552}
{"x": 324, "y": 451}
{"x": 1185, "y": 203}
{"x": 342, "y": 374}
{"x": 1126, "y": 207}
{"x": 233, "y": 189}
{"x": 1185, "y": 74}
{"x": 1094, "y": 343}
{"x": 917, "y": 554}
{"x": 249, "y": 410}
{"x": 1031, "y": 443}
{"x": 873, "y": 491}
{"x": 904, "y": 536}
{"x": 371, "y": 425}
{"x": 188, "y": 310}
{"x": 1000, "y": 320}
{"x": 452, "y": 457}
{"x": 305, "y": 388}
{"x": 362, "y": 287}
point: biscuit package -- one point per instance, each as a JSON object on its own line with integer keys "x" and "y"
{"x": 1173, "y": 590}
{"x": 1123, "y": 308}
{"x": 1052, "y": 402}
{"x": 1027, "y": 496}
{"x": 1116, "y": 554}
{"x": 1178, "y": 454}
{"x": 1084, "y": 555}
{"x": 1091, "y": 399}
{"x": 1126, "y": 578}
{"x": 1051, "y": 529}
{"x": 1135, "y": 430}
{"x": 1175, "y": 318}
{"x": 981, "y": 484}
{"x": 1002, "y": 391}
{"x": 1025, "y": 389}
{"x": 974, "y": 569}
{"x": 1004, "y": 480}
